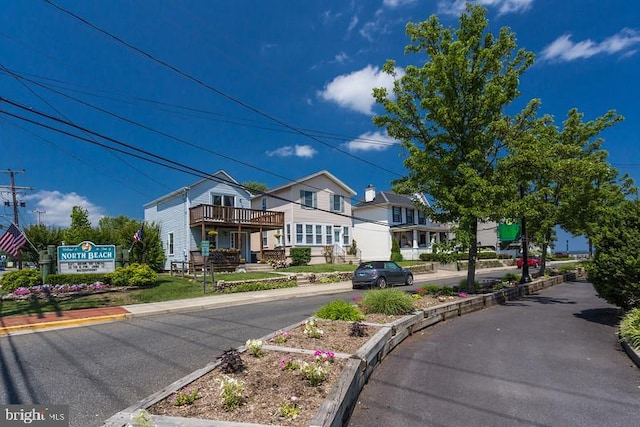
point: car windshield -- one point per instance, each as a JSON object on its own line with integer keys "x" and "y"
{"x": 366, "y": 266}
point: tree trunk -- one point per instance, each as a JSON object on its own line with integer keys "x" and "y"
{"x": 473, "y": 252}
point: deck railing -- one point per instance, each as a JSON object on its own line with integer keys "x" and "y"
{"x": 229, "y": 215}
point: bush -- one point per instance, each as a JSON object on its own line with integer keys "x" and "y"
{"x": 387, "y": 301}
{"x": 437, "y": 290}
{"x": 134, "y": 275}
{"x": 340, "y": 310}
{"x": 630, "y": 328}
{"x": 615, "y": 269}
{"x": 258, "y": 286}
{"x": 395, "y": 251}
{"x": 300, "y": 256}
{"x": 77, "y": 279}
{"x": 13, "y": 280}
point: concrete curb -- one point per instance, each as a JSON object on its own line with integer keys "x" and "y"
{"x": 341, "y": 400}
{"x": 631, "y": 352}
{"x": 70, "y": 323}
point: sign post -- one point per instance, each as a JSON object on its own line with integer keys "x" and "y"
{"x": 204, "y": 246}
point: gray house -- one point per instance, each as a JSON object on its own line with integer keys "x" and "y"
{"x": 216, "y": 209}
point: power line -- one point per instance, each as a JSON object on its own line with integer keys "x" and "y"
{"x": 210, "y": 87}
{"x": 153, "y": 158}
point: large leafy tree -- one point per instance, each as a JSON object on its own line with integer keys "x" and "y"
{"x": 563, "y": 173}
{"x": 40, "y": 237}
{"x": 449, "y": 115}
{"x": 80, "y": 228}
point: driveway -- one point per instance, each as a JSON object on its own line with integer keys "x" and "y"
{"x": 550, "y": 359}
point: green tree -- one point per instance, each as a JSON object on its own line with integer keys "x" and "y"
{"x": 615, "y": 269}
{"x": 255, "y": 187}
{"x": 80, "y": 228}
{"x": 41, "y": 237}
{"x": 448, "y": 114}
{"x": 149, "y": 251}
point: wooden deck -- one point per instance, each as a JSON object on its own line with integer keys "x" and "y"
{"x": 254, "y": 219}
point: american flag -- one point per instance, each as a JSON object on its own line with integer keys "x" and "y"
{"x": 139, "y": 235}
{"x": 12, "y": 240}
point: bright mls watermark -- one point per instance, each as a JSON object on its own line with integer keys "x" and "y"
{"x": 34, "y": 415}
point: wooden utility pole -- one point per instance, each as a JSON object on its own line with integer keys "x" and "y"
{"x": 14, "y": 190}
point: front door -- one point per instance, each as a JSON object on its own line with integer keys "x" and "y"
{"x": 240, "y": 241}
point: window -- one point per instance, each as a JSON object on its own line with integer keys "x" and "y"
{"x": 397, "y": 213}
{"x": 288, "y": 233}
{"x": 265, "y": 243}
{"x": 410, "y": 216}
{"x": 308, "y": 199}
{"x": 264, "y": 203}
{"x": 337, "y": 203}
{"x": 328, "y": 234}
{"x": 299, "y": 233}
{"x": 309, "y": 233}
{"x": 422, "y": 220}
{"x": 318, "y": 234}
{"x": 170, "y": 244}
{"x": 223, "y": 200}
{"x": 345, "y": 235}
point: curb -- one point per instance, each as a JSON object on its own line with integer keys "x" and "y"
{"x": 342, "y": 398}
{"x": 33, "y": 327}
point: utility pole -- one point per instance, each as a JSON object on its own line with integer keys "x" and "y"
{"x": 14, "y": 190}
{"x": 39, "y": 212}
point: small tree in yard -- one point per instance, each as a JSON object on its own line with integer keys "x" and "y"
{"x": 448, "y": 114}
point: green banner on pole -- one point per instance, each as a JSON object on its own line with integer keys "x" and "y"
{"x": 509, "y": 230}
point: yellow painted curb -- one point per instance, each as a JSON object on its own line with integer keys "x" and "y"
{"x": 61, "y": 323}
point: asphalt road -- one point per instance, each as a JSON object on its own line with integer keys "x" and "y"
{"x": 551, "y": 359}
{"x": 101, "y": 369}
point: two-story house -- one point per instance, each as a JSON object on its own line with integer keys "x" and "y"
{"x": 317, "y": 214}
{"x": 216, "y": 209}
{"x": 384, "y": 216}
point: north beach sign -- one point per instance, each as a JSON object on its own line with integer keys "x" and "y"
{"x": 87, "y": 257}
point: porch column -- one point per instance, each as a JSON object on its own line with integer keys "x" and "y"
{"x": 415, "y": 239}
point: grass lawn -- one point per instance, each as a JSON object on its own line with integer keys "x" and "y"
{"x": 167, "y": 288}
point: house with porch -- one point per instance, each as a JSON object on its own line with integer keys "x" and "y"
{"x": 216, "y": 209}
{"x": 384, "y": 216}
{"x": 317, "y": 214}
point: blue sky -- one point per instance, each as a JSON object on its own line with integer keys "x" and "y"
{"x": 269, "y": 91}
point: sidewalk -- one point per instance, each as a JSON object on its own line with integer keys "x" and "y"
{"x": 11, "y": 325}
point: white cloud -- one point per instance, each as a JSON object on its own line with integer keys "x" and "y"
{"x": 456, "y": 7}
{"x": 392, "y": 4}
{"x": 57, "y": 207}
{"x": 371, "y": 141}
{"x": 305, "y": 151}
{"x": 354, "y": 91}
{"x": 352, "y": 23}
{"x": 563, "y": 49}
{"x": 341, "y": 57}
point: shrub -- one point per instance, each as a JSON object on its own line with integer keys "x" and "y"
{"x": 437, "y": 290}
{"x": 358, "y": 329}
{"x": 13, "y": 280}
{"x": 387, "y": 301}
{"x": 340, "y": 310}
{"x": 395, "y": 251}
{"x": 134, "y": 275}
{"x": 259, "y": 286}
{"x": 231, "y": 362}
{"x": 300, "y": 256}
{"x": 509, "y": 277}
{"x": 630, "y": 328}
{"x": 615, "y": 269}
{"x": 77, "y": 279}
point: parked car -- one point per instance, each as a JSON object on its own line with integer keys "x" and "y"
{"x": 380, "y": 274}
{"x": 532, "y": 261}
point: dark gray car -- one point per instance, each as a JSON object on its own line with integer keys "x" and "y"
{"x": 380, "y": 274}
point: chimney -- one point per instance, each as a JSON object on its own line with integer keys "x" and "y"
{"x": 369, "y": 193}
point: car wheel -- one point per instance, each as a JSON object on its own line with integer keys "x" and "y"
{"x": 409, "y": 280}
{"x": 381, "y": 283}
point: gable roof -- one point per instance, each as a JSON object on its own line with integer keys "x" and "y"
{"x": 390, "y": 198}
{"x": 217, "y": 177}
{"x": 308, "y": 178}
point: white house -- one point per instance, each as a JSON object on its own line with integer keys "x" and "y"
{"x": 217, "y": 209}
{"x": 384, "y": 216}
{"x": 317, "y": 214}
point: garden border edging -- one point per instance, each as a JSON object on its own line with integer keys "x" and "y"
{"x": 342, "y": 398}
